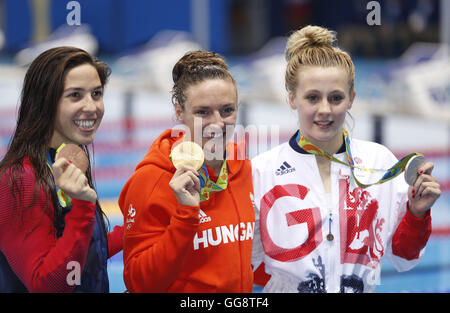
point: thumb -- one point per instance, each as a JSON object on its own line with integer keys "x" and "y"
{"x": 426, "y": 168}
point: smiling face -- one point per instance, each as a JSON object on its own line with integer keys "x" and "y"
{"x": 211, "y": 109}
{"x": 322, "y": 98}
{"x": 80, "y": 108}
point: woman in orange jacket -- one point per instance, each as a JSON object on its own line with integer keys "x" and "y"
{"x": 189, "y": 230}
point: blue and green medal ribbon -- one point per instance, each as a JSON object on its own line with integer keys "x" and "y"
{"x": 390, "y": 173}
{"x": 63, "y": 199}
{"x": 208, "y": 186}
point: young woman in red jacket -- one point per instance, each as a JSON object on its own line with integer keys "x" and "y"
{"x": 53, "y": 236}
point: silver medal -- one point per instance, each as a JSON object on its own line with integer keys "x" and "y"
{"x": 412, "y": 168}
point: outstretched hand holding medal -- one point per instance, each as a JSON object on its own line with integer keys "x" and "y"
{"x": 423, "y": 190}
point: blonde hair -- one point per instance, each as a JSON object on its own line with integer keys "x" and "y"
{"x": 314, "y": 46}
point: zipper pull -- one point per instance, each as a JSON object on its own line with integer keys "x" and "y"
{"x": 330, "y": 236}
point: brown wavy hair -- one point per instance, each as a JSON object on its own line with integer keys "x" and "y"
{"x": 195, "y": 67}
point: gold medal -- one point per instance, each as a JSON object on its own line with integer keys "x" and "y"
{"x": 187, "y": 153}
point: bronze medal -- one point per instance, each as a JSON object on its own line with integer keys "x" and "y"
{"x": 73, "y": 153}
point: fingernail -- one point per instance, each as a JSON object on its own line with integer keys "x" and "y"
{"x": 413, "y": 191}
{"x": 421, "y": 172}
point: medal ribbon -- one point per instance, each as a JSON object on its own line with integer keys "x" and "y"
{"x": 390, "y": 173}
{"x": 208, "y": 186}
{"x": 64, "y": 200}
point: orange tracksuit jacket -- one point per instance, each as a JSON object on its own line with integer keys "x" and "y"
{"x": 169, "y": 247}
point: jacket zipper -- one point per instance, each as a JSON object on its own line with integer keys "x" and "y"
{"x": 239, "y": 243}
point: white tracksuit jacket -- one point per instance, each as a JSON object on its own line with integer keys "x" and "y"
{"x": 293, "y": 220}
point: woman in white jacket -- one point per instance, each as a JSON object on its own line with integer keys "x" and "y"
{"x": 323, "y": 226}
